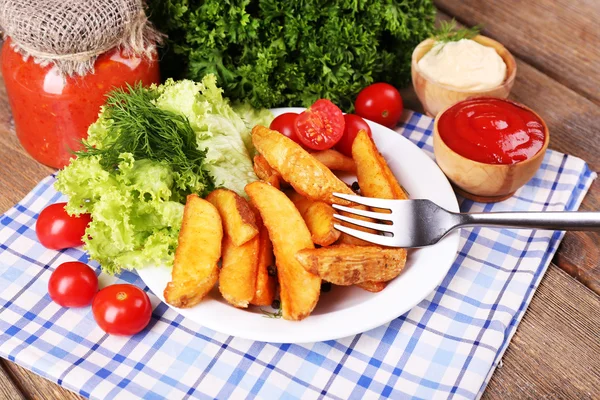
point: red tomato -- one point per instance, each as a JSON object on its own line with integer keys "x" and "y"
{"x": 354, "y": 123}
{"x": 58, "y": 230}
{"x": 285, "y": 124}
{"x": 73, "y": 284}
{"x": 380, "y": 103}
{"x": 321, "y": 126}
{"x": 122, "y": 309}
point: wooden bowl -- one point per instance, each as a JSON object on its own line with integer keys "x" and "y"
{"x": 436, "y": 97}
{"x": 486, "y": 183}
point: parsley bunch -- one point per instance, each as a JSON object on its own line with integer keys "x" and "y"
{"x": 291, "y": 53}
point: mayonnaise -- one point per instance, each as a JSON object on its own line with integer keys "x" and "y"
{"x": 463, "y": 65}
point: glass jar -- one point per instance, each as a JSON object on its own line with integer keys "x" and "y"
{"x": 51, "y": 112}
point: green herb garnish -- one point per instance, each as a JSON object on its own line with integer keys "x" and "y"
{"x": 449, "y": 32}
{"x": 138, "y": 126}
{"x": 268, "y": 314}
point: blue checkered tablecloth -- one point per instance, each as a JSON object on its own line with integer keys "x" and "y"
{"x": 447, "y": 346}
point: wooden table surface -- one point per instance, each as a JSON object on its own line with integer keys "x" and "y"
{"x": 555, "y": 352}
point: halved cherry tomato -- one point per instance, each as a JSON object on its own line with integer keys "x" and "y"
{"x": 58, "y": 230}
{"x": 321, "y": 126}
{"x": 354, "y": 123}
{"x": 73, "y": 284}
{"x": 122, "y": 309}
{"x": 286, "y": 125}
{"x": 381, "y": 103}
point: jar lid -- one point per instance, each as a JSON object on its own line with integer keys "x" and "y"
{"x": 72, "y": 33}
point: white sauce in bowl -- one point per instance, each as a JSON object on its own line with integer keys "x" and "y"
{"x": 463, "y": 65}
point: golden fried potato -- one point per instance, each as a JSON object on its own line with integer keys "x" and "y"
{"x": 372, "y": 286}
{"x": 265, "y": 284}
{"x": 265, "y": 173}
{"x": 374, "y": 176}
{"x": 239, "y": 222}
{"x": 237, "y": 280}
{"x": 346, "y": 264}
{"x": 299, "y": 288}
{"x": 318, "y": 217}
{"x": 334, "y": 160}
{"x": 195, "y": 269}
{"x": 307, "y": 175}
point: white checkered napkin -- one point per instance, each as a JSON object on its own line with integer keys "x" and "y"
{"x": 445, "y": 347}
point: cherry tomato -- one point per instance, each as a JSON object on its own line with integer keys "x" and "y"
{"x": 122, "y": 309}
{"x": 354, "y": 123}
{"x": 58, "y": 230}
{"x": 321, "y": 126}
{"x": 285, "y": 124}
{"x": 380, "y": 103}
{"x": 73, "y": 284}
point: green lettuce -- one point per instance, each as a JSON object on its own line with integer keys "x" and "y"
{"x": 132, "y": 178}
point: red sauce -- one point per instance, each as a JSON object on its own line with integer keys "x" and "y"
{"x": 492, "y": 131}
{"x": 52, "y": 113}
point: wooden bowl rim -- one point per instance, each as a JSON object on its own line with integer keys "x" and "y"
{"x": 511, "y": 65}
{"x": 540, "y": 153}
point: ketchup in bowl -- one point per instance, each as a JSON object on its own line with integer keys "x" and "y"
{"x": 492, "y": 131}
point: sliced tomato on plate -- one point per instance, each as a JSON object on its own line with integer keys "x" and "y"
{"x": 321, "y": 126}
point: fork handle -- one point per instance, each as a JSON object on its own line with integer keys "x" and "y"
{"x": 560, "y": 221}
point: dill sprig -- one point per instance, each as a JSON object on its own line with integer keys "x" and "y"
{"x": 269, "y": 314}
{"x": 137, "y": 126}
{"x": 449, "y": 32}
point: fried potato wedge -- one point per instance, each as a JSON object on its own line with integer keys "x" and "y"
{"x": 318, "y": 217}
{"x": 265, "y": 173}
{"x": 195, "y": 269}
{"x": 371, "y": 286}
{"x": 237, "y": 279}
{"x": 335, "y": 161}
{"x": 266, "y": 284}
{"x": 306, "y": 174}
{"x": 374, "y": 175}
{"x": 346, "y": 264}
{"x": 300, "y": 289}
{"x": 239, "y": 221}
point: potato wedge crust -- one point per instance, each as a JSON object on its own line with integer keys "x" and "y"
{"x": 374, "y": 176}
{"x": 318, "y": 217}
{"x": 237, "y": 279}
{"x": 335, "y": 161}
{"x": 346, "y": 264}
{"x": 265, "y": 173}
{"x": 371, "y": 286}
{"x": 307, "y": 175}
{"x": 195, "y": 269}
{"x": 239, "y": 221}
{"x": 266, "y": 284}
{"x": 299, "y": 289}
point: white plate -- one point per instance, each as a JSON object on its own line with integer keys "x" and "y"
{"x": 345, "y": 311}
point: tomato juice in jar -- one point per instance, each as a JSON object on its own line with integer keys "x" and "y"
{"x": 52, "y": 112}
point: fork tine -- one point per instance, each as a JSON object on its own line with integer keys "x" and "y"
{"x": 363, "y": 213}
{"x": 369, "y": 237}
{"x": 365, "y": 224}
{"x": 366, "y": 201}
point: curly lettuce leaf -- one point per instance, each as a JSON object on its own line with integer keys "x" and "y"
{"x": 218, "y": 127}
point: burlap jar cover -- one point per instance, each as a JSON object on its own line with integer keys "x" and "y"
{"x": 72, "y": 33}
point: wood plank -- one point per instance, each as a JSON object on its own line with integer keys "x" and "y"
{"x": 8, "y": 389}
{"x": 554, "y": 354}
{"x": 558, "y": 37}
{"x": 36, "y": 387}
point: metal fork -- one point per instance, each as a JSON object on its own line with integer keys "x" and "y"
{"x": 418, "y": 223}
